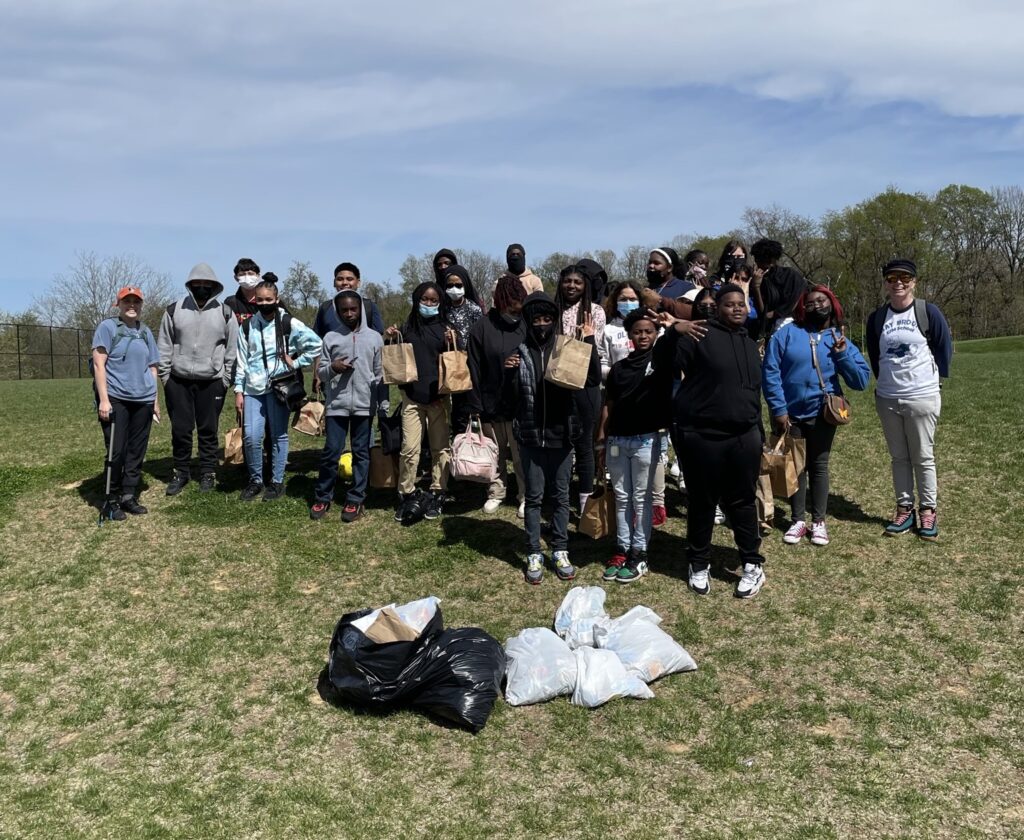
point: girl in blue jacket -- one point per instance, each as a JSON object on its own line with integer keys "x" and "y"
{"x": 795, "y": 396}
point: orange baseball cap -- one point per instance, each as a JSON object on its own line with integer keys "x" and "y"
{"x": 129, "y": 290}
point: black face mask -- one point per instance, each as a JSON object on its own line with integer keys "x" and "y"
{"x": 707, "y": 312}
{"x": 267, "y": 310}
{"x": 654, "y": 277}
{"x": 517, "y": 263}
{"x": 542, "y": 334}
{"x": 511, "y": 320}
{"x": 817, "y": 318}
{"x": 202, "y": 296}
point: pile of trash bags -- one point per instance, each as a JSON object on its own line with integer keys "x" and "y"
{"x": 399, "y": 656}
{"x": 591, "y": 656}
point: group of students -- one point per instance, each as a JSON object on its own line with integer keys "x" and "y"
{"x": 683, "y": 360}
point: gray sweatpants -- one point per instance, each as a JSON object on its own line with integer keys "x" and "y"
{"x": 909, "y": 428}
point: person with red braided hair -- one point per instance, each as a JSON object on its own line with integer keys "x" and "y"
{"x": 492, "y": 339}
{"x": 814, "y": 342}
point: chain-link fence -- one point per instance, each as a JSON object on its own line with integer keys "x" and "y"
{"x": 40, "y": 351}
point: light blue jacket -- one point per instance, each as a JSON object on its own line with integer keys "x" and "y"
{"x": 789, "y": 381}
{"x": 252, "y": 376}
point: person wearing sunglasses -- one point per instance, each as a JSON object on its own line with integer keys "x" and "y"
{"x": 910, "y": 348}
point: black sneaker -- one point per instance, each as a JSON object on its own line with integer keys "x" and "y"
{"x": 207, "y": 481}
{"x": 318, "y": 510}
{"x": 274, "y": 491}
{"x": 112, "y": 510}
{"x": 177, "y": 483}
{"x": 435, "y": 505}
{"x": 130, "y": 504}
{"x": 635, "y": 567}
{"x": 350, "y": 513}
{"x": 403, "y": 500}
{"x": 250, "y": 493}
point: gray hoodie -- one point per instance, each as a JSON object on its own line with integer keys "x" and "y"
{"x": 351, "y": 392}
{"x": 198, "y": 343}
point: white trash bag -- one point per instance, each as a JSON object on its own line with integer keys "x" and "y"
{"x": 643, "y": 647}
{"x": 602, "y": 677}
{"x": 580, "y": 610}
{"x": 540, "y": 666}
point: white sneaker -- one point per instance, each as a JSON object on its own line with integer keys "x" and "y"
{"x": 719, "y": 516}
{"x": 819, "y": 533}
{"x": 700, "y": 581}
{"x": 492, "y": 506}
{"x": 521, "y": 510}
{"x": 797, "y": 531}
{"x": 751, "y": 582}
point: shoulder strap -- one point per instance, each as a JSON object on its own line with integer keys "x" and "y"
{"x": 225, "y": 310}
{"x": 171, "y": 307}
{"x": 245, "y": 327}
{"x": 817, "y": 366}
{"x": 921, "y": 313}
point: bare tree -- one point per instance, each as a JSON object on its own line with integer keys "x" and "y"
{"x": 302, "y": 292}
{"x": 631, "y": 264}
{"x": 801, "y": 237}
{"x": 1009, "y": 237}
{"x": 84, "y": 295}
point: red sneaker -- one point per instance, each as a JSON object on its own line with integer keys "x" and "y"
{"x": 659, "y": 516}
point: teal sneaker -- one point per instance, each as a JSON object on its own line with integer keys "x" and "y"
{"x": 563, "y": 568}
{"x": 634, "y": 568}
{"x": 903, "y": 521}
{"x": 929, "y": 525}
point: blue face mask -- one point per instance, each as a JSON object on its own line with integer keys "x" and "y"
{"x": 429, "y": 311}
{"x": 627, "y": 306}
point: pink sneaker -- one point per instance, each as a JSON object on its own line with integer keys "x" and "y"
{"x": 819, "y": 533}
{"x": 797, "y": 531}
{"x": 659, "y": 516}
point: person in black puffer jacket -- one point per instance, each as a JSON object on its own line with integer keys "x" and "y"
{"x": 547, "y": 424}
{"x": 718, "y": 422}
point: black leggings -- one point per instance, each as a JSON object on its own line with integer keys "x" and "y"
{"x": 129, "y": 423}
{"x": 721, "y": 470}
{"x": 819, "y": 436}
{"x": 588, "y": 406}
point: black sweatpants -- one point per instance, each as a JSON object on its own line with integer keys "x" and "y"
{"x": 819, "y": 436}
{"x": 130, "y": 423}
{"x": 721, "y": 471}
{"x": 194, "y": 404}
{"x": 588, "y": 406}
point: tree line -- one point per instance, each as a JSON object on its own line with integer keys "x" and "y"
{"x": 968, "y": 244}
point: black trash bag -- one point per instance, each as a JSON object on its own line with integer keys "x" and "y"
{"x": 457, "y": 676}
{"x": 390, "y": 431}
{"x": 370, "y": 673}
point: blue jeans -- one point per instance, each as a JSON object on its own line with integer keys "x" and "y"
{"x": 547, "y": 468}
{"x": 261, "y": 411}
{"x": 630, "y": 462}
{"x": 337, "y": 427}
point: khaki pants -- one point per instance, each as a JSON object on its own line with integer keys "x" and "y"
{"x": 414, "y": 418}
{"x": 501, "y": 434}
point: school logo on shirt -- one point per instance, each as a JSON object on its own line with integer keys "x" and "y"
{"x": 899, "y": 351}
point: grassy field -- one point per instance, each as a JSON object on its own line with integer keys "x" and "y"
{"x": 158, "y": 676}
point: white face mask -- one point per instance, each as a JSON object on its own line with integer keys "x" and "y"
{"x": 455, "y": 293}
{"x": 248, "y": 281}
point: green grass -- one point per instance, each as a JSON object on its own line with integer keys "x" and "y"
{"x": 158, "y": 676}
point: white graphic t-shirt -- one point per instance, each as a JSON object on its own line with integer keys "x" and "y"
{"x": 906, "y": 368}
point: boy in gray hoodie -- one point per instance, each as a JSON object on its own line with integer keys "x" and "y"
{"x": 350, "y": 368}
{"x": 197, "y": 343}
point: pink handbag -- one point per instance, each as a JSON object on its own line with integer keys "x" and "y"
{"x": 474, "y": 455}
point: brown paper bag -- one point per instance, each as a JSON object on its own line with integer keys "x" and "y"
{"x": 234, "y": 440}
{"x": 764, "y": 503}
{"x": 311, "y": 419}
{"x": 399, "y": 363}
{"x": 388, "y": 627}
{"x": 783, "y": 460}
{"x": 570, "y": 362}
{"x": 453, "y": 371}
{"x": 383, "y": 469}
{"x": 598, "y": 518}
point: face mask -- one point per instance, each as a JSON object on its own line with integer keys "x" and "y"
{"x": 267, "y": 310}
{"x": 248, "y": 281}
{"x": 511, "y": 320}
{"x": 708, "y": 313}
{"x": 816, "y": 318}
{"x": 517, "y": 264}
{"x": 542, "y": 334}
{"x": 654, "y": 277}
{"x": 455, "y": 292}
{"x": 699, "y": 272}
{"x": 202, "y": 296}
{"x": 429, "y": 311}
{"x": 627, "y": 306}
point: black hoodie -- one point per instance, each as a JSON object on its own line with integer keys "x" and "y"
{"x": 427, "y": 338}
{"x": 492, "y": 340}
{"x": 721, "y": 391}
{"x": 545, "y": 414}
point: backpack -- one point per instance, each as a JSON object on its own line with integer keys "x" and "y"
{"x": 225, "y": 310}
{"x": 920, "y": 313}
{"x": 122, "y": 334}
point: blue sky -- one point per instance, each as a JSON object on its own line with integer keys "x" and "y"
{"x": 193, "y": 131}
